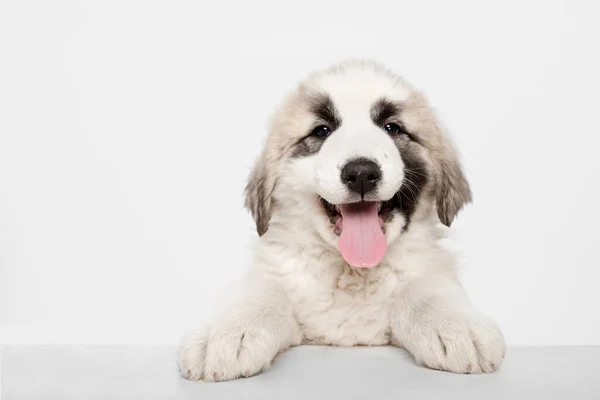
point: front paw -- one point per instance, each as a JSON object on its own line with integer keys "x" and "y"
{"x": 458, "y": 342}
{"x": 226, "y": 353}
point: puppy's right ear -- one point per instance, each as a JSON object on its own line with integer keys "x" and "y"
{"x": 259, "y": 193}
{"x": 264, "y": 176}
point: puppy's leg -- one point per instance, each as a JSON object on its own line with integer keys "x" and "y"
{"x": 434, "y": 320}
{"x": 244, "y": 339}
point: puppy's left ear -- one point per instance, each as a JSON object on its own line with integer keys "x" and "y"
{"x": 259, "y": 193}
{"x": 452, "y": 190}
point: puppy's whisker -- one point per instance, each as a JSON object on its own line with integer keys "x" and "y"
{"x": 408, "y": 181}
{"x": 413, "y": 171}
{"x": 408, "y": 187}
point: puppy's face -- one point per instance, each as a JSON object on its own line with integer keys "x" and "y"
{"x": 359, "y": 152}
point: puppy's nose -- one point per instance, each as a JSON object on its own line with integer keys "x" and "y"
{"x": 361, "y": 175}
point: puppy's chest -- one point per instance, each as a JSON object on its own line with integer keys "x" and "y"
{"x": 345, "y": 306}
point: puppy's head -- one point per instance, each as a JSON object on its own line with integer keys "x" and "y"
{"x": 354, "y": 154}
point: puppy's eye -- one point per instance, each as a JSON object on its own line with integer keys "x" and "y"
{"x": 393, "y": 129}
{"x": 321, "y": 131}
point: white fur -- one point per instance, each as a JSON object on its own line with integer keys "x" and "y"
{"x": 357, "y": 137}
{"x": 300, "y": 290}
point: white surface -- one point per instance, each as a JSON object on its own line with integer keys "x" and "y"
{"x": 149, "y": 373}
{"x": 112, "y": 111}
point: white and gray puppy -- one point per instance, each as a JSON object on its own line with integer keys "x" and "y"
{"x": 348, "y": 195}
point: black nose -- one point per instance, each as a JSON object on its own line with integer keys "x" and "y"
{"x": 361, "y": 175}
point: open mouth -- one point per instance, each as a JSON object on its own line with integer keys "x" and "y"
{"x": 334, "y": 212}
{"x": 361, "y": 230}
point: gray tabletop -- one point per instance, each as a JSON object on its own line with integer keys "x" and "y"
{"x": 110, "y": 372}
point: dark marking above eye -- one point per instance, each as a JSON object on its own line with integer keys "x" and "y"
{"x": 323, "y": 108}
{"x": 383, "y": 110}
{"x": 327, "y": 121}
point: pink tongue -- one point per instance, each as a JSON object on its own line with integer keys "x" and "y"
{"x": 362, "y": 242}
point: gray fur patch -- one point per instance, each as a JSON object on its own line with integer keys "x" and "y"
{"x": 308, "y": 146}
{"x": 415, "y": 177}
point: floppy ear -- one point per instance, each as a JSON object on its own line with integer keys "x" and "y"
{"x": 452, "y": 191}
{"x": 259, "y": 191}
{"x": 452, "y": 188}
{"x": 264, "y": 176}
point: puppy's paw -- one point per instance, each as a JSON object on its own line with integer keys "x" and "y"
{"x": 192, "y": 354}
{"x": 465, "y": 343}
{"x": 227, "y": 353}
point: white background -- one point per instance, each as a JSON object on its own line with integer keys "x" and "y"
{"x": 127, "y": 130}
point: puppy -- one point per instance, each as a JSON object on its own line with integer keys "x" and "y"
{"x": 348, "y": 195}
